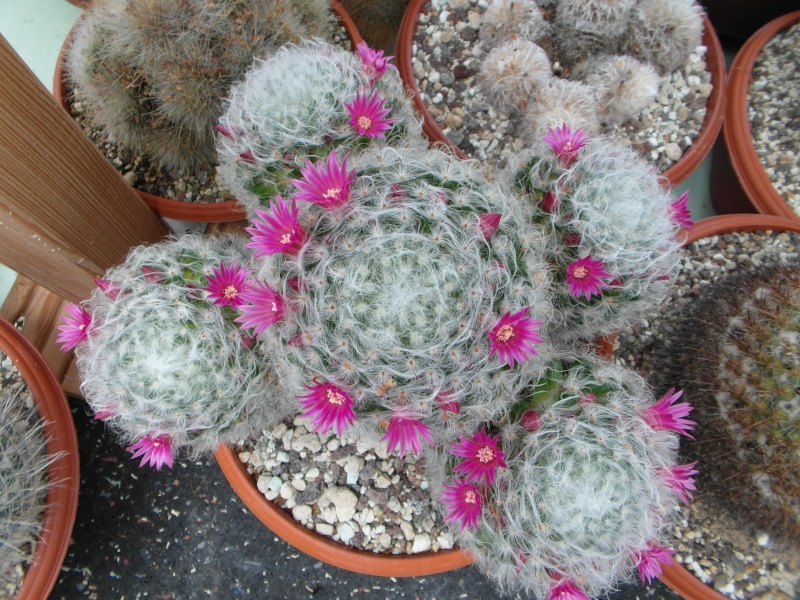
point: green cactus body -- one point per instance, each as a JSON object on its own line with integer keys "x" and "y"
{"x": 607, "y": 205}
{"x": 162, "y": 360}
{"x": 23, "y": 479}
{"x": 154, "y": 73}
{"x": 743, "y": 364}
{"x": 291, "y": 108}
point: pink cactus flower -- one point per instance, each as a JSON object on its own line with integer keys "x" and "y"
{"x": 262, "y": 306}
{"x": 463, "y": 504}
{"x": 447, "y": 403}
{"x": 367, "y": 115}
{"x": 375, "y": 63}
{"x": 109, "y": 288}
{"x": 564, "y": 589}
{"x": 328, "y": 406}
{"x": 327, "y": 185}
{"x": 585, "y": 277}
{"x": 104, "y": 413}
{"x": 406, "y": 432}
{"x": 489, "y": 224}
{"x": 75, "y": 329}
{"x": 664, "y": 415}
{"x": 226, "y": 131}
{"x": 572, "y": 239}
{"x": 679, "y": 211}
{"x": 650, "y": 561}
{"x": 550, "y": 202}
{"x": 278, "y": 230}
{"x": 226, "y": 284}
{"x": 154, "y": 450}
{"x": 482, "y": 455}
{"x": 565, "y": 142}
{"x": 679, "y": 478}
{"x": 530, "y": 420}
{"x": 248, "y": 157}
{"x": 152, "y": 275}
{"x": 513, "y": 337}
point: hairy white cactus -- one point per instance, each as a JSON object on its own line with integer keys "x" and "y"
{"x": 560, "y": 101}
{"x": 504, "y": 20}
{"x": 664, "y": 32}
{"x": 512, "y": 74}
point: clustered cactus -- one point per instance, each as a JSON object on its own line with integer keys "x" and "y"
{"x": 153, "y": 73}
{"x": 609, "y": 53}
{"x": 738, "y": 352}
{"x": 23, "y": 480}
{"x": 406, "y": 295}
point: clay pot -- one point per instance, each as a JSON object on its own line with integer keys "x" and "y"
{"x": 675, "y": 575}
{"x": 63, "y": 473}
{"x": 196, "y": 212}
{"x": 739, "y": 182}
{"x": 323, "y": 548}
{"x": 676, "y": 174}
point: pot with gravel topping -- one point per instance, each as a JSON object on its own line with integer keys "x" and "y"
{"x": 488, "y": 78}
{"x": 152, "y": 111}
{"x": 757, "y": 168}
{"x": 38, "y": 470}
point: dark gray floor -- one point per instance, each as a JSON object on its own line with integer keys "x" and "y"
{"x": 184, "y": 534}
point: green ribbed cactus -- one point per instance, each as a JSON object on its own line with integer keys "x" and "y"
{"x": 153, "y": 73}
{"x": 23, "y": 480}
{"x": 739, "y": 353}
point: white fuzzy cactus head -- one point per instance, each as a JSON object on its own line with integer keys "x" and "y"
{"x": 613, "y": 230}
{"x": 513, "y": 72}
{"x": 161, "y": 359}
{"x": 560, "y": 101}
{"x": 504, "y": 20}
{"x": 583, "y": 486}
{"x": 414, "y": 299}
{"x": 300, "y": 104}
{"x": 664, "y": 32}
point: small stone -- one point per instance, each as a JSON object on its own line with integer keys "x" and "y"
{"x": 301, "y": 513}
{"x": 408, "y": 530}
{"x": 324, "y": 529}
{"x": 673, "y": 151}
{"x": 422, "y": 543}
{"x": 344, "y": 502}
{"x": 345, "y": 532}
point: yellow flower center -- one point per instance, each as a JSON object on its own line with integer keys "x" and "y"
{"x": 364, "y": 123}
{"x": 335, "y": 397}
{"x": 485, "y": 454}
{"x": 470, "y": 497}
{"x": 567, "y": 147}
{"x": 506, "y": 333}
{"x": 580, "y": 272}
{"x": 332, "y": 193}
{"x": 229, "y": 293}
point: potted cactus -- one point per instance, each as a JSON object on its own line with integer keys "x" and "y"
{"x": 154, "y": 102}
{"x": 38, "y": 470}
{"x": 491, "y": 78}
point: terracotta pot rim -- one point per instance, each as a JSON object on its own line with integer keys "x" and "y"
{"x": 323, "y": 548}
{"x": 193, "y": 212}
{"x": 736, "y": 128}
{"x": 63, "y": 474}
{"x": 677, "y": 173}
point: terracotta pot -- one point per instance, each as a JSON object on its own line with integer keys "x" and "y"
{"x": 675, "y": 575}
{"x": 323, "y": 548}
{"x": 738, "y": 154}
{"x": 197, "y": 212}
{"x": 675, "y": 174}
{"x": 63, "y": 473}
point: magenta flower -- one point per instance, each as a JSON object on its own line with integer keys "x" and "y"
{"x": 679, "y": 211}
{"x": 447, "y": 403}
{"x": 463, "y": 504}
{"x": 327, "y": 185}
{"x": 264, "y": 306}
{"x": 550, "y": 202}
{"x": 565, "y": 142}
{"x": 680, "y": 479}
{"x": 572, "y": 239}
{"x": 375, "y": 64}
{"x": 666, "y": 415}
{"x": 367, "y": 115}
{"x": 154, "y": 450}
{"x": 248, "y": 157}
{"x": 278, "y": 230}
{"x": 489, "y": 223}
{"x": 406, "y": 433}
{"x": 226, "y": 131}
{"x": 104, "y": 413}
{"x": 152, "y": 275}
{"x": 109, "y": 288}
{"x": 585, "y": 277}
{"x": 482, "y": 457}
{"x": 564, "y": 589}
{"x": 75, "y": 328}
{"x": 513, "y": 337}
{"x": 530, "y": 420}
{"x": 328, "y": 406}
{"x": 650, "y": 561}
{"x": 226, "y": 284}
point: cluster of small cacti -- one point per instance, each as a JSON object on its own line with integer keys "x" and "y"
{"x": 401, "y": 293}
{"x": 153, "y": 73}
{"x": 161, "y": 358}
{"x": 23, "y": 480}
{"x": 611, "y": 50}
{"x": 738, "y": 352}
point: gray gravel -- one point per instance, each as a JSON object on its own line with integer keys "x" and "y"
{"x": 773, "y": 105}
{"x": 447, "y": 76}
{"x": 732, "y": 556}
